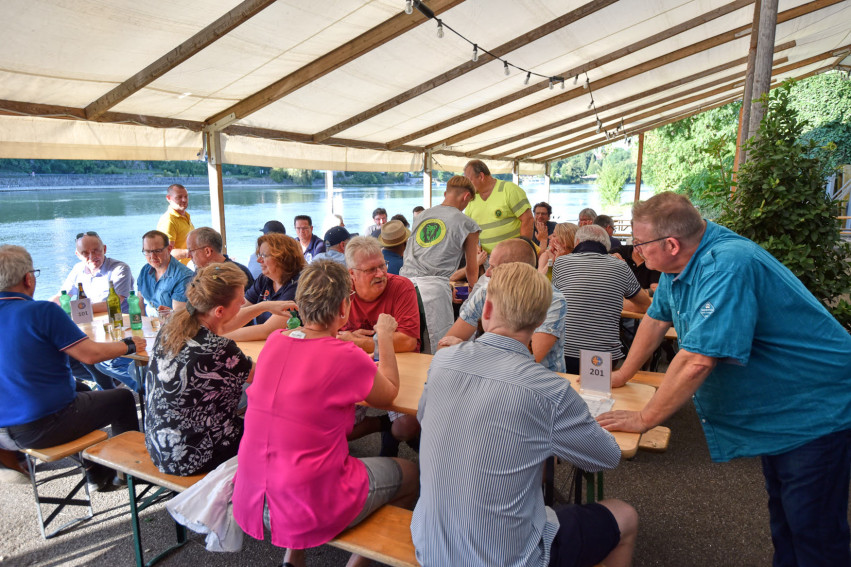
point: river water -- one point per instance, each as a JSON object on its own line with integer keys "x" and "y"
{"x": 46, "y": 221}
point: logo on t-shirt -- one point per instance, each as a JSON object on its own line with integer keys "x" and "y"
{"x": 707, "y": 310}
{"x": 497, "y": 213}
{"x": 431, "y": 232}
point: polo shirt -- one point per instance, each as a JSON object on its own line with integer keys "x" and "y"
{"x": 314, "y": 247}
{"x": 490, "y": 416}
{"x": 471, "y": 312}
{"x": 498, "y": 216}
{"x": 263, "y": 289}
{"x": 170, "y": 287}
{"x": 177, "y": 227}
{"x": 399, "y": 299}
{"x": 96, "y": 285}
{"x": 35, "y": 377}
{"x": 784, "y": 362}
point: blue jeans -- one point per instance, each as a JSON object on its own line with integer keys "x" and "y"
{"x": 808, "y": 502}
{"x": 103, "y": 373}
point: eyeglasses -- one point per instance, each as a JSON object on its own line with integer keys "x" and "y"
{"x": 89, "y": 233}
{"x": 374, "y": 270}
{"x": 636, "y": 244}
{"x": 35, "y": 273}
{"x": 191, "y": 250}
{"x": 153, "y": 252}
{"x": 263, "y": 256}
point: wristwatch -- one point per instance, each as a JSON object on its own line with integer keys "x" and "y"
{"x": 131, "y": 346}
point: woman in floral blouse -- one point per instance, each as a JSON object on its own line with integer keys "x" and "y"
{"x": 195, "y": 378}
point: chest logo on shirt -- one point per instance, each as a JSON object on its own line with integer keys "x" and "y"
{"x": 265, "y": 295}
{"x": 431, "y": 232}
{"x": 707, "y": 309}
{"x": 498, "y": 213}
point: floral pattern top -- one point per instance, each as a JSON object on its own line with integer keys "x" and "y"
{"x": 191, "y": 401}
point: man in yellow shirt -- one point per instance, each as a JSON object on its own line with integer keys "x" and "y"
{"x": 501, "y": 210}
{"x": 176, "y": 223}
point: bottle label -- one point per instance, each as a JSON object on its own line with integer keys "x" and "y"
{"x": 136, "y": 321}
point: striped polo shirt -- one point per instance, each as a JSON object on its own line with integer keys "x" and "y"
{"x": 498, "y": 216}
{"x": 490, "y": 417}
{"x": 594, "y": 286}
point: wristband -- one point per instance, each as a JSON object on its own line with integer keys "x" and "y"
{"x": 131, "y": 346}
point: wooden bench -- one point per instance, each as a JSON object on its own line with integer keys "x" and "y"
{"x": 57, "y": 453}
{"x": 655, "y": 440}
{"x": 385, "y": 536}
{"x": 127, "y": 453}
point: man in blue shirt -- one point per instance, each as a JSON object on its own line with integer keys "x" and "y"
{"x": 162, "y": 283}
{"x": 490, "y": 416}
{"x": 40, "y": 406}
{"x": 767, "y": 364}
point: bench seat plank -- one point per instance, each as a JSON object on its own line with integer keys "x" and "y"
{"x": 384, "y": 536}
{"x": 57, "y": 452}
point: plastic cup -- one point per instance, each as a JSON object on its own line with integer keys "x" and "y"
{"x": 462, "y": 291}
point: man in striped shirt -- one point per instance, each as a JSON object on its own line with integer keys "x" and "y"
{"x": 597, "y": 288}
{"x": 501, "y": 208}
{"x": 490, "y": 417}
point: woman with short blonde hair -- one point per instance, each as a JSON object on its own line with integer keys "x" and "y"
{"x": 194, "y": 380}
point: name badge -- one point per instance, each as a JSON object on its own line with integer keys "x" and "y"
{"x": 595, "y": 371}
{"x": 81, "y": 310}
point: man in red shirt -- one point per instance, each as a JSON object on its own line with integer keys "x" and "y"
{"x": 376, "y": 292}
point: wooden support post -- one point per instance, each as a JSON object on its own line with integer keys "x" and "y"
{"x": 740, "y": 154}
{"x": 427, "y": 165}
{"x": 329, "y": 188}
{"x": 747, "y": 97}
{"x": 547, "y": 177}
{"x": 515, "y": 173}
{"x": 214, "y": 178}
{"x": 763, "y": 61}
{"x": 638, "y": 167}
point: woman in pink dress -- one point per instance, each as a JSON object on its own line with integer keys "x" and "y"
{"x": 295, "y": 474}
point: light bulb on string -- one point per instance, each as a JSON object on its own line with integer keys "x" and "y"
{"x": 551, "y": 83}
{"x": 591, "y": 104}
{"x": 528, "y": 76}
{"x": 575, "y": 79}
{"x": 585, "y": 84}
{"x": 562, "y": 84}
{"x": 505, "y": 66}
{"x": 409, "y": 7}
{"x": 439, "y": 29}
{"x": 475, "y": 53}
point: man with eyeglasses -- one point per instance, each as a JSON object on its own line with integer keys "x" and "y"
{"x": 162, "y": 283}
{"x": 311, "y": 245}
{"x": 95, "y": 271}
{"x": 205, "y": 247}
{"x": 376, "y": 292}
{"x": 176, "y": 222}
{"x": 767, "y": 365}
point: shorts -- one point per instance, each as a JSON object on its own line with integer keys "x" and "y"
{"x": 385, "y": 479}
{"x": 586, "y": 535}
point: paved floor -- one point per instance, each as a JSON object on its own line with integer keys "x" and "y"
{"x": 692, "y": 511}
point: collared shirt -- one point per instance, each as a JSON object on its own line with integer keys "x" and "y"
{"x": 35, "y": 377}
{"x": 490, "y": 416}
{"x": 499, "y": 215}
{"x": 331, "y": 254}
{"x": 177, "y": 227}
{"x": 784, "y": 362}
{"x": 96, "y": 285}
{"x": 170, "y": 287}
{"x": 471, "y": 312}
{"x": 314, "y": 247}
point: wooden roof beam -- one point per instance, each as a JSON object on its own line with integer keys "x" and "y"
{"x": 364, "y": 43}
{"x": 219, "y": 28}
{"x": 516, "y": 43}
{"x": 643, "y": 67}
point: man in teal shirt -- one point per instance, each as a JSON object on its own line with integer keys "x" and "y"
{"x": 769, "y": 368}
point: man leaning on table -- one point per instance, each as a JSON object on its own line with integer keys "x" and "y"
{"x": 162, "y": 282}
{"x": 490, "y": 417}
{"x": 768, "y": 366}
{"x": 40, "y": 406}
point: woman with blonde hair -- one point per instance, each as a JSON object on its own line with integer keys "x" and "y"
{"x": 295, "y": 473}
{"x": 281, "y": 261}
{"x": 562, "y": 241}
{"x": 195, "y": 378}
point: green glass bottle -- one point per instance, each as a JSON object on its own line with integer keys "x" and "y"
{"x": 65, "y": 302}
{"x": 113, "y": 307}
{"x": 135, "y": 311}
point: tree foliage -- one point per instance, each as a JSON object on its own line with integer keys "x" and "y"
{"x": 781, "y": 204}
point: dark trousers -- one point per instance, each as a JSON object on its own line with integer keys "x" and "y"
{"x": 808, "y": 502}
{"x": 88, "y": 411}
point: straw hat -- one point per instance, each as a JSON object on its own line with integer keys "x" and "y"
{"x": 393, "y": 233}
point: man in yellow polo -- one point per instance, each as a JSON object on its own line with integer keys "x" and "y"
{"x": 501, "y": 210}
{"x": 176, "y": 222}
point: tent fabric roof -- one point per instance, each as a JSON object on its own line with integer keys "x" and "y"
{"x": 361, "y": 85}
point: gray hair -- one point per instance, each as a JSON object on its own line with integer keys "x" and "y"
{"x": 593, "y": 233}
{"x": 15, "y": 262}
{"x": 206, "y": 236}
{"x": 670, "y": 215}
{"x": 588, "y": 212}
{"x": 605, "y": 221}
{"x": 359, "y": 247}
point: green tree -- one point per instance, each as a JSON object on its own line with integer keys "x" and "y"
{"x": 610, "y": 182}
{"x": 781, "y": 204}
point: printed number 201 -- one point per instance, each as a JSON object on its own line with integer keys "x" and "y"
{"x": 596, "y": 372}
